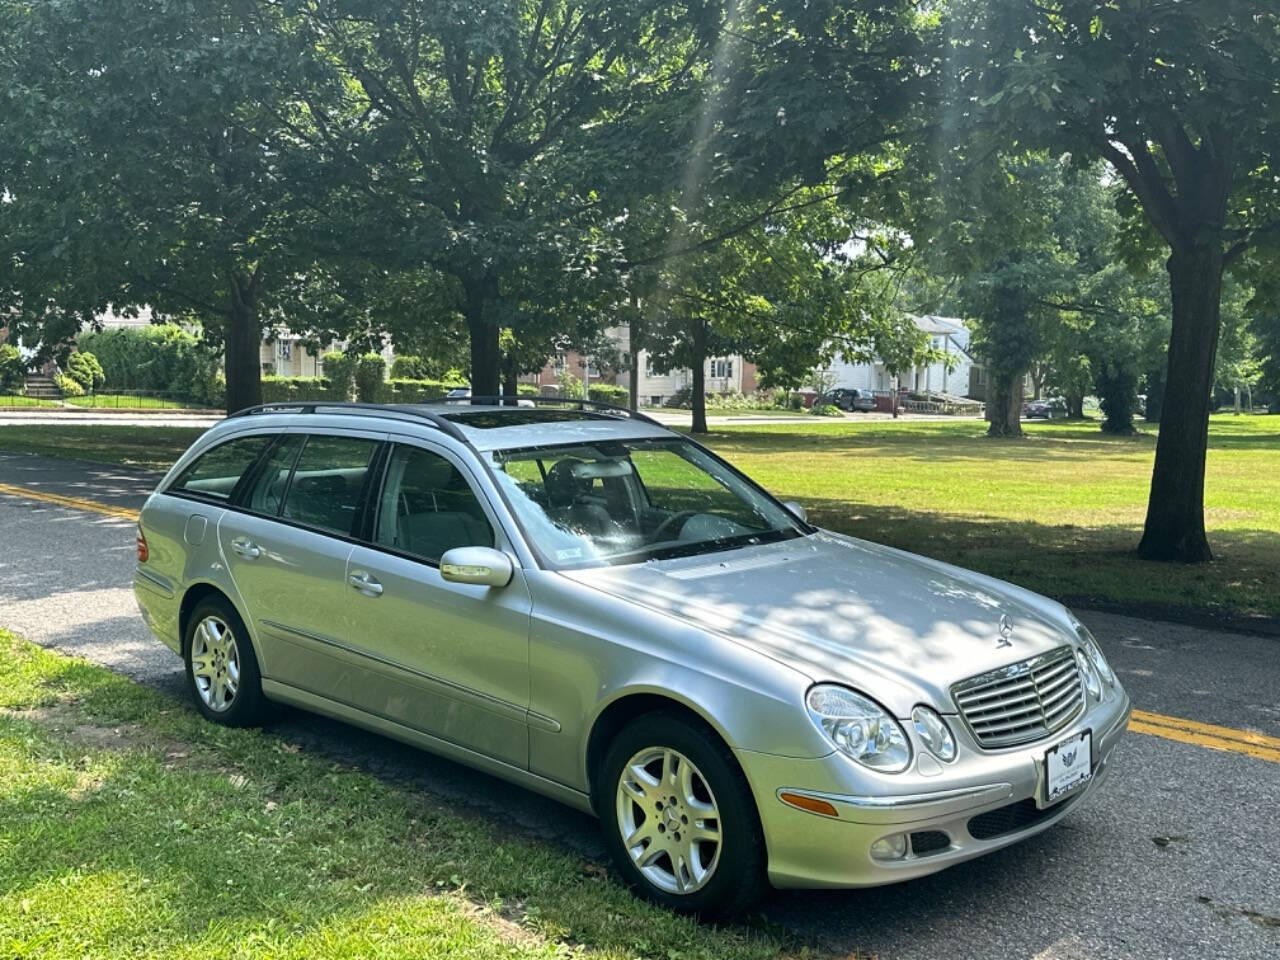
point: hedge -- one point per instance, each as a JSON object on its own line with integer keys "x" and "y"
{"x": 299, "y": 390}
{"x": 161, "y": 357}
{"x": 608, "y": 393}
{"x": 318, "y": 390}
{"x": 419, "y": 391}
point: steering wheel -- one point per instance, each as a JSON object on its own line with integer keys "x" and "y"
{"x": 681, "y": 516}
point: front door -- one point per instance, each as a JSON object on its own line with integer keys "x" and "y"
{"x": 449, "y": 659}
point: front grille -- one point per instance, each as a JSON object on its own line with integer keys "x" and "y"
{"x": 1022, "y": 702}
{"x": 1012, "y": 818}
{"x": 925, "y": 842}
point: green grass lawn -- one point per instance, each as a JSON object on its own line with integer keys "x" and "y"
{"x": 1059, "y": 511}
{"x": 127, "y": 401}
{"x": 129, "y": 827}
{"x": 147, "y": 448}
{"x": 11, "y": 400}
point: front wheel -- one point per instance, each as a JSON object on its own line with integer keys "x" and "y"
{"x": 679, "y": 818}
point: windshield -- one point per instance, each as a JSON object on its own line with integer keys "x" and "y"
{"x": 624, "y": 501}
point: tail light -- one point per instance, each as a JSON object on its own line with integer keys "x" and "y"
{"x": 143, "y": 552}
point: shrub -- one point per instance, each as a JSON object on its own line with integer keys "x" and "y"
{"x": 161, "y": 358}
{"x": 370, "y": 377}
{"x": 795, "y": 401}
{"x": 682, "y": 398}
{"x": 526, "y": 390}
{"x": 608, "y": 393}
{"x": 68, "y": 386}
{"x": 340, "y": 371}
{"x": 826, "y": 410}
{"x": 410, "y": 367}
{"x": 570, "y": 385}
{"x": 13, "y": 371}
{"x": 84, "y": 369}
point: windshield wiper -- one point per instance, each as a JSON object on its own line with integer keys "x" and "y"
{"x": 696, "y": 547}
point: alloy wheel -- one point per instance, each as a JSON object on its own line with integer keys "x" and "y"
{"x": 669, "y": 820}
{"x": 215, "y": 663}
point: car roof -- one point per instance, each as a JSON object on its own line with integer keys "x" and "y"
{"x": 483, "y": 426}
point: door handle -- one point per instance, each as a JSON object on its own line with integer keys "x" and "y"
{"x": 365, "y": 583}
{"x": 246, "y": 548}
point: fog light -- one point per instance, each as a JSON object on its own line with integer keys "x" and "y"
{"x": 890, "y": 848}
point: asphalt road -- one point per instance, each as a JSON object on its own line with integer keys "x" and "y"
{"x": 1177, "y": 856}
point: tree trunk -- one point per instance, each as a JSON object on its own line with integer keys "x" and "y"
{"x": 1005, "y": 408}
{"x": 510, "y": 380}
{"x": 1174, "y": 529}
{"x": 243, "y": 340}
{"x": 486, "y": 355}
{"x": 698, "y": 396}
{"x": 634, "y": 339}
{"x": 1075, "y": 406}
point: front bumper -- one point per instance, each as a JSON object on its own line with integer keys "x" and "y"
{"x": 993, "y": 794}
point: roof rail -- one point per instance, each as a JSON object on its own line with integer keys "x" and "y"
{"x": 584, "y": 405}
{"x": 396, "y": 411}
{"x": 423, "y": 412}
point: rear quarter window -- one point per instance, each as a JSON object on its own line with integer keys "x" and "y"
{"x": 215, "y": 473}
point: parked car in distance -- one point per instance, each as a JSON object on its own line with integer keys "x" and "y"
{"x": 591, "y": 606}
{"x": 1049, "y": 409}
{"x": 848, "y": 398}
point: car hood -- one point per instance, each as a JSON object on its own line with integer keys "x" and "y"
{"x": 901, "y": 627}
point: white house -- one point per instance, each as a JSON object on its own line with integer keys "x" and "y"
{"x": 948, "y": 335}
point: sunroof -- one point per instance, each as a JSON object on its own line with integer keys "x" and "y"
{"x": 519, "y": 417}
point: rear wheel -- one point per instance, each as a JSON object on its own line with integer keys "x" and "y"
{"x": 679, "y": 818}
{"x": 222, "y": 671}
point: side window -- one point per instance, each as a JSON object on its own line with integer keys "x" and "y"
{"x": 267, "y": 492}
{"x": 326, "y": 485}
{"x": 216, "y": 473}
{"x": 427, "y": 507}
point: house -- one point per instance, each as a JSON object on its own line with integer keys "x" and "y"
{"x": 726, "y": 374}
{"x": 948, "y": 335}
{"x": 980, "y": 383}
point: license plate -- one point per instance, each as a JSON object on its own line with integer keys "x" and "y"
{"x": 1067, "y": 766}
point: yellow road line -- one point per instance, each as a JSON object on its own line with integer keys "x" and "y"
{"x": 1207, "y": 735}
{"x": 1193, "y": 732}
{"x": 76, "y": 503}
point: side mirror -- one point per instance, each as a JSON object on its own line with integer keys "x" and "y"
{"x": 482, "y": 566}
{"x": 797, "y": 510}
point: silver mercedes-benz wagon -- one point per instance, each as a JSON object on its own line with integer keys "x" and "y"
{"x": 578, "y": 600}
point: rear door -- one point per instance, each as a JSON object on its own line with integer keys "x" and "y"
{"x": 449, "y": 659}
{"x": 286, "y": 546}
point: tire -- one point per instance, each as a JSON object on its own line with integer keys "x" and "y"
{"x": 221, "y": 668}
{"x": 661, "y": 756}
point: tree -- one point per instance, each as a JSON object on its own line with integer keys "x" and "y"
{"x": 1180, "y": 99}
{"x": 159, "y": 168}
{"x": 486, "y": 141}
{"x": 1024, "y": 235}
{"x": 788, "y": 295}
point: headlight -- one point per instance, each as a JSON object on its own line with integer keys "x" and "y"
{"x": 1089, "y": 674}
{"x": 860, "y": 728}
{"x": 934, "y": 732}
{"x": 1095, "y": 653}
